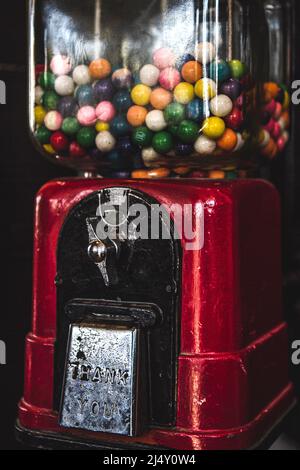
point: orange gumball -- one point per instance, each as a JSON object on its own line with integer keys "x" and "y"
{"x": 159, "y": 173}
{"x": 216, "y": 175}
{"x": 271, "y": 91}
{"x": 269, "y": 149}
{"x": 182, "y": 170}
{"x": 100, "y": 68}
{"x": 136, "y": 115}
{"x": 192, "y": 71}
{"x": 160, "y": 98}
{"x": 228, "y": 141}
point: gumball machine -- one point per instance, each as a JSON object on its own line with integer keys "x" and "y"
{"x": 157, "y": 319}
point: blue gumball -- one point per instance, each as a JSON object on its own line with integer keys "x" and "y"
{"x": 85, "y": 95}
{"x": 125, "y": 146}
{"x": 122, "y": 101}
{"x": 183, "y": 149}
{"x": 195, "y": 110}
{"x": 119, "y": 126}
{"x": 138, "y": 162}
{"x": 117, "y": 162}
{"x": 183, "y": 60}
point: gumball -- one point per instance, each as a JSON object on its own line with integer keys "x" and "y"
{"x": 228, "y": 140}
{"x": 235, "y": 119}
{"x": 183, "y": 149}
{"x": 239, "y": 101}
{"x": 125, "y": 146}
{"x": 50, "y": 100}
{"x": 103, "y": 90}
{"x": 53, "y": 120}
{"x": 155, "y": 120}
{"x": 188, "y": 131}
{"x": 96, "y": 154}
{"x": 39, "y": 114}
{"x": 105, "y": 111}
{"x": 149, "y": 155}
{"x": 216, "y": 175}
{"x": 183, "y": 60}
{"x": 105, "y": 141}
{"x": 237, "y": 69}
{"x": 276, "y": 132}
{"x": 163, "y": 58}
{"x": 270, "y": 126}
{"x": 264, "y": 138}
{"x": 231, "y": 88}
{"x": 59, "y": 141}
{"x": 70, "y": 126}
{"x": 162, "y": 142}
{"x": 102, "y": 126}
{"x": 122, "y": 101}
{"x": 219, "y": 71}
{"x": 205, "y": 52}
{"x": 140, "y": 95}
{"x": 87, "y": 116}
{"x": 136, "y": 115}
{"x": 286, "y": 119}
{"x": 278, "y": 111}
{"x": 213, "y": 127}
{"x": 86, "y": 137}
{"x": 184, "y": 93}
{"x": 38, "y": 94}
{"x": 169, "y": 78}
{"x": 81, "y": 75}
{"x": 100, "y": 68}
{"x": 286, "y": 102}
{"x": 61, "y": 65}
{"x": 240, "y": 142}
{"x": 195, "y": 110}
{"x": 271, "y": 91}
{"x": 270, "y": 107}
{"x": 68, "y": 106}
{"x": 160, "y": 98}
{"x": 119, "y": 126}
{"x": 64, "y": 85}
{"x": 158, "y": 173}
{"x": 149, "y": 75}
{"x": 206, "y": 88}
{"x": 231, "y": 175}
{"x": 173, "y": 129}
{"x": 49, "y": 149}
{"x": 265, "y": 118}
{"x": 270, "y": 149}
{"x": 46, "y": 80}
{"x": 221, "y": 105}
{"x": 85, "y": 95}
{"x": 117, "y": 161}
{"x": 282, "y": 141}
{"x": 43, "y": 135}
{"x": 76, "y": 151}
{"x": 122, "y": 78}
{"x": 142, "y": 136}
{"x": 204, "y": 145}
{"x": 137, "y": 161}
{"x": 174, "y": 113}
{"x": 191, "y": 72}
{"x": 123, "y": 174}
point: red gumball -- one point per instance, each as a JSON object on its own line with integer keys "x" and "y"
{"x": 76, "y": 150}
{"x": 59, "y": 141}
{"x": 276, "y": 131}
{"x": 235, "y": 119}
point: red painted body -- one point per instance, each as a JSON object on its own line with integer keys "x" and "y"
{"x": 233, "y": 385}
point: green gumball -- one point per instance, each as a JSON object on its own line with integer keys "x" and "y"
{"x": 162, "y": 142}
{"x": 47, "y": 80}
{"x": 50, "y": 100}
{"x": 188, "y": 131}
{"x": 70, "y": 126}
{"x": 237, "y": 68}
{"x": 142, "y": 136}
{"x": 174, "y": 113}
{"x": 86, "y": 137}
{"x": 43, "y": 135}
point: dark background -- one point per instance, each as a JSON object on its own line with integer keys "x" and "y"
{"x": 23, "y": 171}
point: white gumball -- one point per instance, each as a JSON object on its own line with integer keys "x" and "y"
{"x": 105, "y": 141}
{"x": 221, "y": 106}
{"x": 149, "y": 155}
{"x": 265, "y": 139}
{"x": 64, "y": 85}
{"x": 149, "y": 75}
{"x": 205, "y": 52}
{"x": 240, "y": 142}
{"x": 38, "y": 94}
{"x": 155, "y": 120}
{"x": 204, "y": 145}
{"x": 81, "y": 75}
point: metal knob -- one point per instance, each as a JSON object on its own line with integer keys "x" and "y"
{"x": 97, "y": 251}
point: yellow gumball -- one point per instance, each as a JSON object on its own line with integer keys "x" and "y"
{"x": 49, "y": 149}
{"x": 39, "y": 114}
{"x": 213, "y": 127}
{"x": 206, "y": 89}
{"x": 184, "y": 93}
{"x": 102, "y": 126}
{"x": 140, "y": 95}
{"x": 286, "y": 102}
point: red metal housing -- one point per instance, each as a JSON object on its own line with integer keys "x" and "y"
{"x": 233, "y": 385}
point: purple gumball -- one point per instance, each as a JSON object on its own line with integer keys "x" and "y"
{"x": 103, "y": 90}
{"x": 67, "y": 106}
{"x": 231, "y": 88}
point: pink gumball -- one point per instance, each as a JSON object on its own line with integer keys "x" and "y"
{"x": 270, "y": 108}
{"x": 105, "y": 111}
{"x": 61, "y": 65}
{"x": 276, "y": 131}
{"x": 281, "y": 143}
{"x": 240, "y": 101}
{"x": 270, "y": 126}
{"x": 53, "y": 120}
{"x": 278, "y": 111}
{"x": 87, "y": 116}
{"x": 163, "y": 58}
{"x": 169, "y": 78}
